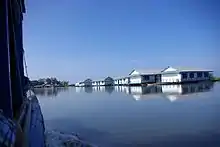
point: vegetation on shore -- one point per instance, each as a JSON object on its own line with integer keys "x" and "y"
{"x": 49, "y": 82}
{"x": 214, "y": 79}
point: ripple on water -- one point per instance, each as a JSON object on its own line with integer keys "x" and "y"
{"x": 60, "y": 139}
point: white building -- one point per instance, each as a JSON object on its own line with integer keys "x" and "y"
{"x": 87, "y": 83}
{"x": 80, "y": 84}
{"x": 168, "y": 75}
{"x": 144, "y": 76}
{"x": 94, "y": 83}
{"x": 99, "y": 83}
{"x": 77, "y": 84}
{"x": 109, "y": 81}
{"x": 173, "y": 75}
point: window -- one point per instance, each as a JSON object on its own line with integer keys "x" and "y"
{"x": 147, "y": 78}
{"x": 191, "y": 75}
{"x": 206, "y": 74}
{"x": 184, "y": 75}
{"x": 199, "y": 74}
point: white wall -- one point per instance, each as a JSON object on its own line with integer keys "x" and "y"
{"x": 171, "y": 79}
{"x": 135, "y": 80}
{"x": 94, "y": 83}
{"x": 81, "y": 84}
{"x": 120, "y": 81}
{"x": 125, "y": 81}
{"x": 102, "y": 83}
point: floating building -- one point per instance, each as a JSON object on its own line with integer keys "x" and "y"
{"x": 172, "y": 75}
{"x": 168, "y": 75}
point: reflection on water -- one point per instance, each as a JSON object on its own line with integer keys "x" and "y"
{"x": 49, "y": 92}
{"x": 172, "y": 92}
{"x": 138, "y": 92}
{"x": 112, "y": 116}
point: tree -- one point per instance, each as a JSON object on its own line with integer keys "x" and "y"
{"x": 48, "y": 80}
{"x": 54, "y": 81}
{"x": 65, "y": 83}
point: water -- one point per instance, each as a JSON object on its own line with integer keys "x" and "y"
{"x": 168, "y": 116}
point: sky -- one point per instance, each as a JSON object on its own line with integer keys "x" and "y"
{"x": 78, "y": 39}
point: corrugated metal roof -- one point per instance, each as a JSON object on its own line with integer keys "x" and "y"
{"x": 88, "y": 80}
{"x": 109, "y": 78}
{"x": 122, "y": 77}
{"x": 148, "y": 72}
{"x": 183, "y": 69}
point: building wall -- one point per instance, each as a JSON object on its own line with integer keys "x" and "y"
{"x": 148, "y": 78}
{"x": 184, "y": 77}
{"x": 87, "y": 83}
{"x": 81, "y": 84}
{"x": 120, "y": 82}
{"x": 77, "y": 84}
{"x": 171, "y": 78}
{"x": 109, "y": 81}
{"x": 125, "y": 81}
{"x": 94, "y": 83}
{"x": 102, "y": 83}
{"x": 136, "y": 80}
{"x": 194, "y": 76}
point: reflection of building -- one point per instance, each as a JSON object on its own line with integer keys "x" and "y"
{"x": 88, "y": 89}
{"x": 98, "y": 88}
{"x": 125, "y": 89}
{"x": 109, "y": 89}
{"x": 139, "y": 92}
{"x": 80, "y": 89}
{"x": 173, "y": 92}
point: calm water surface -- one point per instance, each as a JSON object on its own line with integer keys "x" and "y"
{"x": 171, "y": 115}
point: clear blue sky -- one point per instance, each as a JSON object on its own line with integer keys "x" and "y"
{"x": 76, "y": 39}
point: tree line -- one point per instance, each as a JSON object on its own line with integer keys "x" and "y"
{"x": 47, "y": 82}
